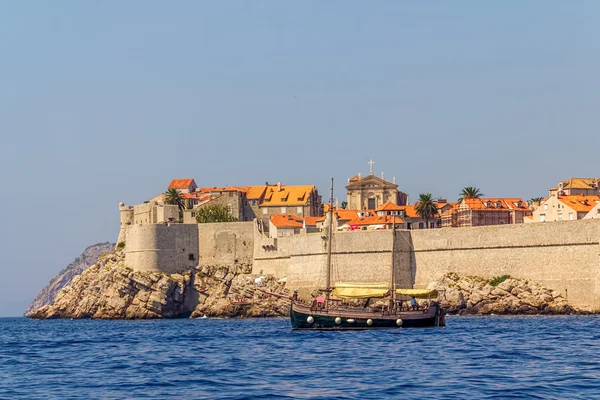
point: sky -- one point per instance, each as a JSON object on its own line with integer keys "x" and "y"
{"x": 107, "y": 101}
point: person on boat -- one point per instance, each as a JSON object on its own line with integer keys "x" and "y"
{"x": 414, "y": 304}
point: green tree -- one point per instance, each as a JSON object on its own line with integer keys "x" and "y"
{"x": 535, "y": 200}
{"x": 344, "y": 205}
{"x": 426, "y": 208}
{"x": 470, "y": 192}
{"x": 214, "y": 213}
{"x": 173, "y": 197}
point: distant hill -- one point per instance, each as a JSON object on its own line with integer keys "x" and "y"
{"x": 89, "y": 256}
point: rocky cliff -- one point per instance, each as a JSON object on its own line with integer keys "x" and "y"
{"x": 110, "y": 290}
{"x": 89, "y": 256}
{"x": 502, "y": 295}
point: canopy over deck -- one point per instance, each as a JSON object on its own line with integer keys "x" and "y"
{"x": 354, "y": 290}
{"x": 418, "y": 293}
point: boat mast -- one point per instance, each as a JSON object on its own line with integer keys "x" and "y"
{"x": 393, "y": 280}
{"x": 329, "y": 237}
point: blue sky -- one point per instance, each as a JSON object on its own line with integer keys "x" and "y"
{"x": 102, "y": 102}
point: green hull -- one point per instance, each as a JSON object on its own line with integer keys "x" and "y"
{"x": 304, "y": 318}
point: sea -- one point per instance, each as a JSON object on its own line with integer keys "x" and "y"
{"x": 489, "y": 357}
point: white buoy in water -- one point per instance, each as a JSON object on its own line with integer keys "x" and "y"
{"x": 350, "y": 321}
{"x": 338, "y": 320}
{"x": 369, "y": 322}
{"x": 310, "y": 319}
{"x": 399, "y": 322}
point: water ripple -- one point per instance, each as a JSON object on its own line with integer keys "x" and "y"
{"x": 477, "y": 357}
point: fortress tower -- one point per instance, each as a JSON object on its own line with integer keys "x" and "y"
{"x": 126, "y": 214}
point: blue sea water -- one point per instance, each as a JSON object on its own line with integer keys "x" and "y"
{"x": 475, "y": 357}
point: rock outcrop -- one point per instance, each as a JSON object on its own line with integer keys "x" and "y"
{"x": 503, "y": 295}
{"x": 110, "y": 290}
{"x": 89, "y": 256}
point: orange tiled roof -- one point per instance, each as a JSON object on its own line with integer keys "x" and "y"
{"x": 195, "y": 196}
{"x": 579, "y": 183}
{"x": 255, "y": 192}
{"x": 311, "y": 221}
{"x": 496, "y": 204}
{"x": 286, "y": 221}
{"x": 288, "y": 196}
{"x": 389, "y": 206}
{"x": 222, "y": 189}
{"x": 346, "y": 215}
{"x": 516, "y": 203}
{"x": 355, "y": 178}
{"x": 453, "y": 208}
{"x": 388, "y": 219}
{"x": 411, "y": 212}
{"x": 579, "y": 203}
{"x": 181, "y": 183}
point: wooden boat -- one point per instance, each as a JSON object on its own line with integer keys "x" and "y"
{"x": 328, "y": 312}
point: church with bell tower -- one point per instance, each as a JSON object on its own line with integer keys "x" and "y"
{"x": 371, "y": 192}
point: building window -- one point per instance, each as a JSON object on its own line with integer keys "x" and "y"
{"x": 545, "y": 206}
{"x": 245, "y": 203}
{"x": 193, "y": 214}
{"x": 283, "y": 210}
{"x": 299, "y": 210}
{"x": 570, "y": 216}
{"x": 542, "y": 217}
{"x": 265, "y": 211}
{"x": 560, "y": 216}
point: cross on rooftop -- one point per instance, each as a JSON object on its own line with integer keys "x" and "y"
{"x": 371, "y": 166}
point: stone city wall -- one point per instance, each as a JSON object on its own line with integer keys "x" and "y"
{"x": 356, "y": 256}
{"x": 167, "y": 248}
{"x": 226, "y": 243}
{"x": 564, "y": 256}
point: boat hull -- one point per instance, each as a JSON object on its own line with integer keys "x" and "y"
{"x": 305, "y": 318}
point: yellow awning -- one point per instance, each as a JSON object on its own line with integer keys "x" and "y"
{"x": 359, "y": 293}
{"x": 352, "y": 290}
{"x": 418, "y": 293}
{"x": 371, "y": 285}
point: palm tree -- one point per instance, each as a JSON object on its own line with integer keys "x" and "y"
{"x": 173, "y": 197}
{"x": 426, "y": 207}
{"x": 470, "y": 192}
{"x": 535, "y": 200}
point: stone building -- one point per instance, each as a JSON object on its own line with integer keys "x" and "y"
{"x": 565, "y": 208}
{"x": 490, "y": 211}
{"x": 594, "y": 213}
{"x": 408, "y": 213}
{"x": 302, "y": 201}
{"x": 154, "y": 213}
{"x": 249, "y": 202}
{"x": 231, "y": 197}
{"x": 187, "y": 185}
{"x": 376, "y": 222}
{"x": 371, "y": 192}
{"x": 281, "y": 225}
{"x": 577, "y": 186}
